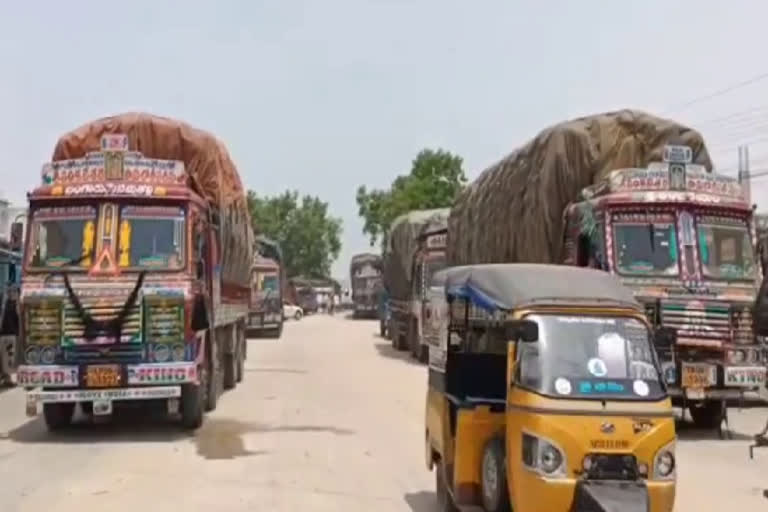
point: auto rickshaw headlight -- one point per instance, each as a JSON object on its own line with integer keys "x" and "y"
{"x": 664, "y": 463}
{"x": 543, "y": 456}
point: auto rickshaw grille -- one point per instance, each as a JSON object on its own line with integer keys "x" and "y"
{"x": 611, "y": 466}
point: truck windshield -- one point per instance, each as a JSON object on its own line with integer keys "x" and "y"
{"x": 725, "y": 249}
{"x": 432, "y": 265}
{"x": 151, "y": 237}
{"x": 646, "y": 249}
{"x": 590, "y": 357}
{"x": 269, "y": 282}
{"x": 62, "y": 235}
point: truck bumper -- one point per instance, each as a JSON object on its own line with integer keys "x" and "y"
{"x": 734, "y": 397}
{"x": 105, "y": 397}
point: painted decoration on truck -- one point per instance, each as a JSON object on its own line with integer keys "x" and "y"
{"x": 48, "y": 376}
{"x": 169, "y": 373}
{"x": 93, "y": 168}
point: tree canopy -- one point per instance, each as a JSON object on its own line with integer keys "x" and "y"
{"x": 309, "y": 237}
{"x": 435, "y": 179}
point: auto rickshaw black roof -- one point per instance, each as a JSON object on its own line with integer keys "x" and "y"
{"x": 508, "y": 286}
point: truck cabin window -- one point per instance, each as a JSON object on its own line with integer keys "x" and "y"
{"x": 725, "y": 249}
{"x": 151, "y": 238}
{"x": 590, "y": 357}
{"x": 646, "y": 248}
{"x": 62, "y": 237}
{"x": 269, "y": 282}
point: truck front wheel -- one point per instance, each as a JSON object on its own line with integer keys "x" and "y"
{"x": 192, "y": 405}
{"x": 708, "y": 416}
{"x": 58, "y": 416}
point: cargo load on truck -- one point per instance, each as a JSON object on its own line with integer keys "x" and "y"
{"x": 513, "y": 212}
{"x": 210, "y": 172}
{"x": 401, "y": 245}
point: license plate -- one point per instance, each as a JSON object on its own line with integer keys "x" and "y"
{"x": 102, "y": 407}
{"x": 695, "y": 394}
{"x": 744, "y": 376}
{"x": 102, "y": 376}
{"x": 698, "y": 375}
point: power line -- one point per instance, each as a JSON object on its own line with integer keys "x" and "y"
{"x": 717, "y": 93}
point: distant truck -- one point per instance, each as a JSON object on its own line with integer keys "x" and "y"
{"x": 136, "y": 271}
{"x": 413, "y": 252}
{"x": 681, "y": 237}
{"x": 365, "y": 278}
{"x": 265, "y": 316}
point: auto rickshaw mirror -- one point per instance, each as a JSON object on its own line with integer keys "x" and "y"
{"x": 523, "y": 330}
{"x": 665, "y": 337}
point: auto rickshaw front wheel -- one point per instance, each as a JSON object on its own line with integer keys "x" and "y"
{"x": 444, "y": 500}
{"x": 493, "y": 477}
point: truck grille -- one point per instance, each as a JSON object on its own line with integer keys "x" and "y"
{"x": 101, "y": 309}
{"x": 707, "y": 324}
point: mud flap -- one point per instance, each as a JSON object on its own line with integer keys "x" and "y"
{"x": 598, "y": 496}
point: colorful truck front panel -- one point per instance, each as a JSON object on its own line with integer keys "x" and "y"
{"x": 683, "y": 240}
{"x": 107, "y": 295}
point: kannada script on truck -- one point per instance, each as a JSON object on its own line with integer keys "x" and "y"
{"x": 267, "y": 285}
{"x": 365, "y": 279}
{"x": 135, "y": 279}
{"x": 414, "y": 251}
{"x": 610, "y": 192}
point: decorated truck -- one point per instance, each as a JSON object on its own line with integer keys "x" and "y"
{"x": 414, "y": 250}
{"x": 365, "y": 279}
{"x": 610, "y": 192}
{"x": 135, "y": 279}
{"x": 267, "y": 288}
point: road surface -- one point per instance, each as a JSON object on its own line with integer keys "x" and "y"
{"x": 329, "y": 418}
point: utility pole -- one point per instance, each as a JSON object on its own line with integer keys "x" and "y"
{"x": 745, "y": 180}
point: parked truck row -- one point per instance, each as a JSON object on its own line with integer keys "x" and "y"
{"x": 627, "y": 193}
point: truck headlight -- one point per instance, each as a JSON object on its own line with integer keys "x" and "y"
{"x": 664, "y": 463}
{"x": 543, "y": 456}
{"x": 736, "y": 356}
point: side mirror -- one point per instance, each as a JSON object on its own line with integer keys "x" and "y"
{"x": 200, "y": 319}
{"x": 526, "y": 331}
{"x": 12, "y": 273}
{"x": 665, "y": 337}
{"x": 17, "y": 234}
{"x": 200, "y": 269}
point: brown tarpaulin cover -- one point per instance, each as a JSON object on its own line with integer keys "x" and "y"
{"x": 513, "y": 212}
{"x": 211, "y": 171}
{"x": 401, "y": 246}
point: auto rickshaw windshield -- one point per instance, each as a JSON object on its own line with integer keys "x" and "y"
{"x": 590, "y": 357}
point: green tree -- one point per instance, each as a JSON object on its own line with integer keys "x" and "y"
{"x": 435, "y": 179}
{"x": 309, "y": 237}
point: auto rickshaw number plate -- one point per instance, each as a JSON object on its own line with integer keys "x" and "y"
{"x": 698, "y": 376}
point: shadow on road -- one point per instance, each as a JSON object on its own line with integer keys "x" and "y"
{"x": 687, "y": 431}
{"x": 422, "y": 501}
{"x": 386, "y": 350}
{"x": 275, "y": 370}
{"x": 217, "y": 439}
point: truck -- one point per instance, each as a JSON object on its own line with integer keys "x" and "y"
{"x": 365, "y": 278}
{"x": 268, "y": 283}
{"x": 632, "y": 194}
{"x": 135, "y": 280}
{"x": 413, "y": 251}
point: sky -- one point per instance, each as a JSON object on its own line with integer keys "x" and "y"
{"x": 323, "y": 96}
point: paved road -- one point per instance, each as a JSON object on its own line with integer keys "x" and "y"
{"x": 327, "y": 419}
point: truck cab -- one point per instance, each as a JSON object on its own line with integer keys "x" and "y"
{"x": 683, "y": 239}
{"x": 429, "y": 259}
{"x": 266, "y": 299}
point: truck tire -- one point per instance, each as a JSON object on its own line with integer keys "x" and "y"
{"x": 58, "y": 416}
{"x": 240, "y": 373}
{"x": 494, "y": 494}
{"x": 193, "y": 401}
{"x": 214, "y": 379}
{"x": 413, "y": 338}
{"x": 230, "y": 371}
{"x": 443, "y": 497}
{"x": 708, "y": 416}
{"x": 382, "y": 329}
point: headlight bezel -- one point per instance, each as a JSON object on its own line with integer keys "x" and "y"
{"x": 535, "y": 448}
{"x": 666, "y": 451}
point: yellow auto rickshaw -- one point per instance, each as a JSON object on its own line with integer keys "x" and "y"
{"x": 545, "y": 393}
